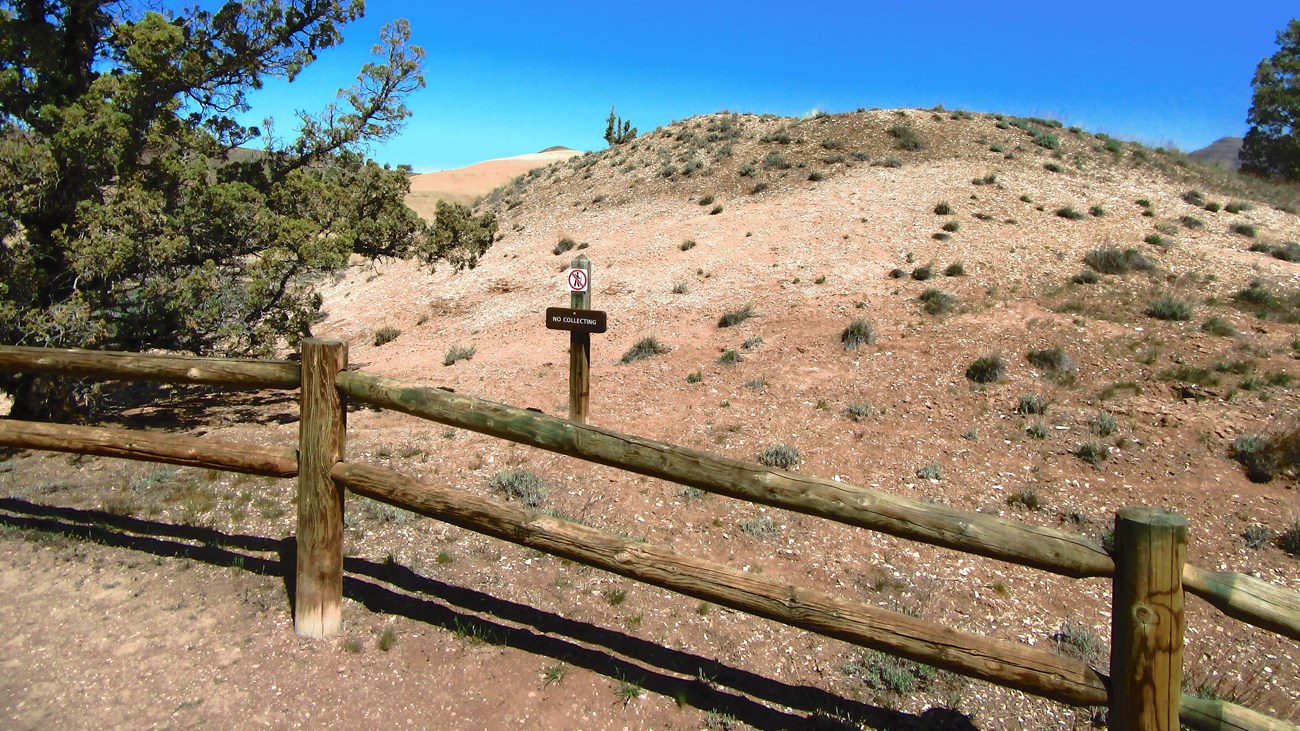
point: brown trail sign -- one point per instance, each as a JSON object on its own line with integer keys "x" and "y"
{"x": 580, "y": 320}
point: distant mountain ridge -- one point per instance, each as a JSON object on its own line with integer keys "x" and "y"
{"x": 1222, "y": 152}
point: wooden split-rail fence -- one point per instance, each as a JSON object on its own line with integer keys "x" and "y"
{"x": 1150, "y": 576}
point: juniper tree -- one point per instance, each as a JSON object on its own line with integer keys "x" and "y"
{"x": 133, "y": 213}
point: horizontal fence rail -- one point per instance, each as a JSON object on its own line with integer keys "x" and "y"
{"x": 1006, "y": 663}
{"x": 239, "y": 372}
{"x": 1246, "y": 598}
{"x": 1028, "y": 545}
{"x": 249, "y": 459}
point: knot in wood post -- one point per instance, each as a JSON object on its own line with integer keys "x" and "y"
{"x": 1147, "y": 621}
{"x": 318, "y": 582}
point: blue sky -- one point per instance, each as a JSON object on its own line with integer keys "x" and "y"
{"x": 505, "y": 78}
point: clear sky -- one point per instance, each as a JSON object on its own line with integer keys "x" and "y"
{"x": 506, "y": 78}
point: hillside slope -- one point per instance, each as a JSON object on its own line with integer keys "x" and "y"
{"x": 803, "y": 221}
{"x": 806, "y": 225}
{"x": 466, "y": 185}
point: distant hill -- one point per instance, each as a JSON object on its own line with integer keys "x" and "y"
{"x": 1222, "y": 151}
{"x": 467, "y": 184}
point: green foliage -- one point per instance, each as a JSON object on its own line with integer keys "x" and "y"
{"x": 955, "y": 269}
{"x": 1031, "y": 403}
{"x": 735, "y": 317}
{"x": 1272, "y": 144}
{"x": 1025, "y": 497}
{"x": 687, "y": 245}
{"x": 1092, "y": 452}
{"x": 987, "y": 369}
{"x": 1051, "y": 360}
{"x": 730, "y": 357}
{"x": 883, "y": 672}
{"x": 783, "y": 456}
{"x": 131, "y": 217}
{"x": 858, "y": 412}
{"x": 930, "y": 471}
{"x": 459, "y": 236}
{"x": 1289, "y": 539}
{"x": 1115, "y": 261}
{"x": 385, "y": 335}
{"x": 1070, "y": 213}
{"x": 520, "y": 485}
{"x": 1244, "y": 229}
{"x": 565, "y": 244}
{"x": 763, "y": 528}
{"x": 1170, "y": 308}
{"x": 858, "y": 333}
{"x": 1103, "y": 424}
{"x": 695, "y": 377}
{"x": 617, "y": 130}
{"x": 458, "y": 352}
{"x": 937, "y": 302}
{"x": 943, "y": 208}
{"x": 1256, "y": 454}
{"x": 906, "y": 138}
{"x": 1216, "y": 325}
{"x": 644, "y": 348}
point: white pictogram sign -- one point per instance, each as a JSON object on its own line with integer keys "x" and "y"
{"x": 577, "y": 280}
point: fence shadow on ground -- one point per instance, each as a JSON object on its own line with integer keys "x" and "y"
{"x": 391, "y": 588}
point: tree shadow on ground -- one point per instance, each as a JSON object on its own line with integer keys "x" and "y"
{"x": 390, "y": 588}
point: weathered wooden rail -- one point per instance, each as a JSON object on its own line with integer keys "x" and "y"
{"x": 1148, "y": 569}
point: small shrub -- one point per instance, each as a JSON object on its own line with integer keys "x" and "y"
{"x": 1038, "y": 430}
{"x": 858, "y": 333}
{"x": 1144, "y": 203}
{"x": 906, "y": 138}
{"x": 458, "y": 352}
{"x": 681, "y": 288}
{"x": 385, "y": 335}
{"x": 1155, "y": 240}
{"x": 752, "y": 342}
{"x": 758, "y": 188}
{"x": 858, "y": 412}
{"x": 730, "y": 357}
{"x": 706, "y": 199}
{"x": 883, "y": 672}
{"x": 1170, "y": 308}
{"x": 1287, "y": 252}
{"x": 1031, "y": 403}
{"x": 565, "y": 244}
{"x": 762, "y": 528}
{"x": 1115, "y": 261}
{"x": 1191, "y": 222}
{"x": 1070, "y": 213}
{"x": 731, "y": 319}
{"x": 614, "y": 596}
{"x": 990, "y": 179}
{"x": 955, "y": 269}
{"x": 1051, "y": 360}
{"x": 1256, "y": 536}
{"x": 830, "y": 143}
{"x": 987, "y": 369}
{"x": 943, "y": 209}
{"x": 1257, "y": 456}
{"x": 1048, "y": 141}
{"x": 815, "y": 177}
{"x": 781, "y": 456}
{"x": 1244, "y": 229}
{"x": 1026, "y": 497}
{"x": 1092, "y": 452}
{"x": 1052, "y": 167}
{"x": 387, "y": 639}
{"x": 897, "y": 273}
{"x": 1213, "y": 207}
{"x": 1078, "y": 640}
{"x": 941, "y": 236}
{"x": 923, "y": 272}
{"x": 687, "y": 245}
{"x": 937, "y": 302}
{"x": 695, "y": 377}
{"x": 776, "y": 160}
{"x": 1085, "y": 277}
{"x": 1195, "y": 198}
{"x": 1237, "y": 207}
{"x": 1216, "y": 325}
{"x": 930, "y": 471}
{"x": 644, "y": 348}
{"x": 952, "y": 227}
{"x": 520, "y": 485}
{"x": 1289, "y": 539}
{"x": 715, "y": 210}
{"x": 1103, "y": 424}
{"x": 1096, "y": 211}
{"x": 888, "y": 162}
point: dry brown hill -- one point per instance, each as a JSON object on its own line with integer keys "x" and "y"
{"x": 466, "y": 185}
{"x": 808, "y": 225}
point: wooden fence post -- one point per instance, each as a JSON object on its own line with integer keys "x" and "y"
{"x": 580, "y": 350}
{"x": 318, "y": 596}
{"x": 1147, "y": 621}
